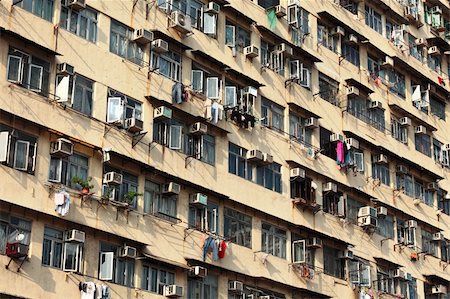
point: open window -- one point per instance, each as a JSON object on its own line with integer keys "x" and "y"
{"x": 17, "y": 149}
{"x": 73, "y": 257}
{"x": 359, "y": 273}
{"x": 106, "y": 266}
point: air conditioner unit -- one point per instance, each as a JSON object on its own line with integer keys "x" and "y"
{"x": 367, "y": 221}
{"x": 439, "y": 289}
{"x": 285, "y": 49}
{"x": 267, "y": 158}
{"x": 181, "y": 22}
{"x": 74, "y": 235}
{"x": 388, "y": 62}
{"x": 134, "y": 125}
{"x": 198, "y": 199}
{"x": 408, "y": 276}
{"x": 434, "y": 51}
{"x": 352, "y": 39}
{"x": 162, "y": 112}
{"x": 433, "y": 186}
{"x": 420, "y": 130}
{"x": 352, "y": 142}
{"x": 61, "y": 148}
{"x": 438, "y": 237}
{"x": 108, "y": 192}
{"x": 352, "y": 91}
{"x": 198, "y": 128}
{"x": 411, "y": 224}
{"x": 402, "y": 169}
{"x": 330, "y": 187}
{"x": 338, "y": 30}
{"x": 127, "y": 251}
{"x": 381, "y": 159}
{"x": 397, "y": 273}
{"x": 65, "y": 69}
{"x": 249, "y": 91}
{"x": 112, "y": 178}
{"x": 254, "y": 155}
{"x": 405, "y": 121}
{"x": 212, "y": 8}
{"x": 381, "y": 212}
{"x": 198, "y": 271}
{"x": 173, "y": 291}
{"x": 76, "y": 4}
{"x": 311, "y": 122}
{"x": 421, "y": 42}
{"x": 436, "y": 10}
{"x": 336, "y": 137}
{"x": 142, "y": 36}
{"x": 314, "y": 242}
{"x": 375, "y": 105}
{"x": 160, "y": 46}
{"x": 346, "y": 254}
{"x": 235, "y": 286}
{"x": 297, "y": 173}
{"x": 367, "y": 211}
{"x": 16, "y": 250}
{"x": 251, "y": 51}
{"x": 172, "y": 188}
{"x": 280, "y": 11}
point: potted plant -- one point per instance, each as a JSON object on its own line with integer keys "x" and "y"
{"x": 130, "y": 196}
{"x": 85, "y": 184}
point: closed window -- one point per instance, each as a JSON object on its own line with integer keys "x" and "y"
{"x": 204, "y": 218}
{"x": 298, "y": 131}
{"x": 333, "y": 203}
{"x": 121, "y": 43}
{"x": 273, "y": 240}
{"x": 399, "y": 132}
{"x": 30, "y": 72}
{"x": 152, "y": 193}
{"x": 405, "y": 182}
{"x": 437, "y": 108}
{"x": 272, "y": 115}
{"x": 238, "y": 227}
{"x": 63, "y": 170}
{"x": 41, "y": 8}
{"x": 350, "y": 5}
{"x": 350, "y": 52}
{"x": 167, "y": 64}
{"x": 434, "y": 63}
{"x": 17, "y": 149}
{"x": 52, "y": 248}
{"x": 373, "y": 19}
{"x": 359, "y": 272}
{"x": 114, "y": 268}
{"x": 12, "y": 230}
{"x": 328, "y": 89}
{"x": 428, "y": 245}
{"x": 201, "y": 147}
{"x": 237, "y": 162}
{"x": 206, "y": 288}
{"x": 332, "y": 263}
{"x": 381, "y": 172}
{"x": 269, "y": 176}
{"x": 386, "y": 226}
{"x": 155, "y": 278}
{"x": 83, "y": 23}
{"x": 423, "y": 144}
{"x": 326, "y": 39}
{"x": 352, "y": 209}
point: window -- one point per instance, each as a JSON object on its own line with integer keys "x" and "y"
{"x": 328, "y": 89}
{"x": 332, "y": 263}
{"x": 152, "y": 193}
{"x": 415, "y": 50}
{"x": 298, "y": 19}
{"x": 272, "y": 115}
{"x": 204, "y": 218}
{"x": 62, "y": 170}
{"x": 423, "y": 144}
{"x": 380, "y": 172}
{"x": 353, "y": 207}
{"x": 399, "y": 132}
{"x": 326, "y": 39}
{"x": 191, "y": 8}
{"x": 333, "y": 203}
{"x": 114, "y": 268}
{"x": 41, "y": 8}
{"x": 238, "y": 227}
{"x": 273, "y": 240}
{"x": 236, "y": 36}
{"x": 445, "y": 250}
{"x": 268, "y": 3}
{"x": 269, "y": 176}
{"x": 205, "y": 82}
{"x": 350, "y": 52}
{"x": 154, "y": 278}
{"x": 83, "y": 23}
{"x": 200, "y": 147}
{"x": 76, "y": 90}
{"x": 428, "y": 245}
{"x": 386, "y": 226}
{"x": 129, "y": 184}
{"x": 359, "y": 272}
{"x": 298, "y": 131}
{"x": 206, "y": 288}
{"x": 405, "y": 182}
{"x": 121, "y": 43}
{"x": 437, "y": 108}
{"x": 434, "y": 63}
{"x": 167, "y": 207}
{"x": 302, "y": 189}
{"x": 10, "y": 229}
{"x": 167, "y": 64}
{"x": 17, "y": 149}
{"x": 420, "y": 98}
{"x": 443, "y": 203}
{"x": 358, "y": 106}
{"x": 395, "y": 81}
{"x": 385, "y": 282}
{"x": 237, "y": 162}
{"x": 30, "y": 72}
{"x": 373, "y": 19}
{"x": 121, "y": 107}
{"x": 350, "y": 5}
{"x": 327, "y": 148}
{"x": 52, "y": 248}
{"x": 300, "y": 73}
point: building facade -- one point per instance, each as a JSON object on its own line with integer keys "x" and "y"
{"x": 231, "y": 149}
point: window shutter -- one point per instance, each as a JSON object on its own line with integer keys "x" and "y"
{"x": 32, "y": 167}
{"x": 209, "y": 24}
{"x": 15, "y": 69}
{"x": 4, "y": 146}
{"x": 106, "y": 266}
{"x": 175, "y": 137}
{"x": 365, "y": 275}
{"x": 21, "y": 152}
{"x": 293, "y": 15}
{"x": 230, "y": 96}
{"x": 305, "y": 80}
{"x": 359, "y": 161}
{"x": 425, "y": 99}
{"x": 212, "y": 87}
{"x": 62, "y": 89}
{"x": 416, "y": 95}
{"x": 354, "y": 274}
{"x": 298, "y": 251}
{"x": 295, "y": 69}
{"x": 55, "y": 170}
{"x": 115, "y": 110}
{"x": 230, "y": 36}
{"x": 35, "y": 80}
{"x": 341, "y": 207}
{"x": 213, "y": 226}
{"x": 72, "y": 257}
{"x": 197, "y": 80}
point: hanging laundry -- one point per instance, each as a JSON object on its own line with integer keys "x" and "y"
{"x": 215, "y": 112}
{"x": 416, "y": 95}
{"x": 340, "y": 153}
{"x": 177, "y": 96}
{"x": 441, "y": 81}
{"x": 87, "y": 290}
{"x": 210, "y": 244}
{"x": 62, "y": 203}
{"x": 186, "y": 93}
{"x": 222, "y": 248}
{"x": 102, "y": 292}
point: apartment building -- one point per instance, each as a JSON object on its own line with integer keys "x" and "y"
{"x": 262, "y": 149}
